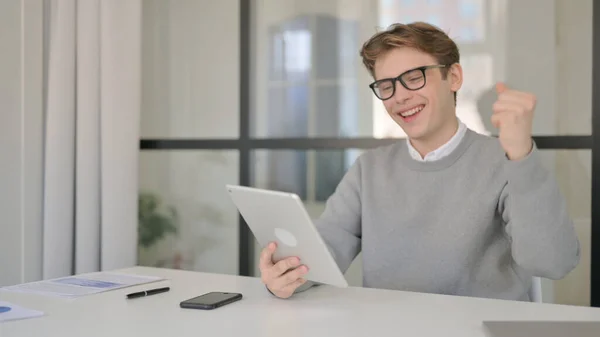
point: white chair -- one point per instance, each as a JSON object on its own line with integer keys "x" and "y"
{"x": 535, "y": 293}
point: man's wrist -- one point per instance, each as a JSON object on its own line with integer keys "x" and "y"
{"x": 526, "y": 174}
{"x": 521, "y": 153}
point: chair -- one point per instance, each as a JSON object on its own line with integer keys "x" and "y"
{"x": 535, "y": 293}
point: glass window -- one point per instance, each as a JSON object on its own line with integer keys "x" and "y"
{"x": 297, "y": 50}
{"x": 337, "y": 100}
{"x": 573, "y": 170}
{"x": 434, "y": 20}
{"x": 313, "y": 175}
{"x": 469, "y": 9}
{"x": 186, "y": 218}
{"x": 190, "y": 75}
{"x": 467, "y": 34}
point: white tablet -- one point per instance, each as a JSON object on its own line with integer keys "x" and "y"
{"x": 282, "y": 217}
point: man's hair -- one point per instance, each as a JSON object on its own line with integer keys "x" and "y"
{"x": 419, "y": 35}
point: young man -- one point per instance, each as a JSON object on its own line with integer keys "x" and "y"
{"x": 449, "y": 211}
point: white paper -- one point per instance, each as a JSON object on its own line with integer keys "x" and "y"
{"x": 11, "y": 312}
{"x": 82, "y": 285}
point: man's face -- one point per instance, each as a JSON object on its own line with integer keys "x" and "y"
{"x": 426, "y": 112}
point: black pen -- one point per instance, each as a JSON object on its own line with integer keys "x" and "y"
{"x": 148, "y": 292}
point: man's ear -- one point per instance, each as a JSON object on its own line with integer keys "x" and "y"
{"x": 455, "y": 77}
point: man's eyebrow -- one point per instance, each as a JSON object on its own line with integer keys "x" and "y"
{"x": 394, "y": 76}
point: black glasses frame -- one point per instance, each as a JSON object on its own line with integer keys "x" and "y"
{"x": 374, "y": 85}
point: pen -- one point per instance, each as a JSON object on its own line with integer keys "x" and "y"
{"x": 148, "y": 292}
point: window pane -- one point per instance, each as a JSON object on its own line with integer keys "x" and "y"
{"x": 312, "y": 44}
{"x": 188, "y": 188}
{"x": 190, "y": 75}
{"x": 314, "y": 175}
{"x": 316, "y": 44}
{"x": 288, "y": 110}
{"x": 573, "y": 169}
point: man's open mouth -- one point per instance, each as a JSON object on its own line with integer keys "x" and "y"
{"x": 412, "y": 113}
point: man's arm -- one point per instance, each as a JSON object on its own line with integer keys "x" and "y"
{"x": 542, "y": 235}
{"x": 340, "y": 223}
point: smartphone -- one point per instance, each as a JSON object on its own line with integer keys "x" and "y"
{"x": 210, "y": 300}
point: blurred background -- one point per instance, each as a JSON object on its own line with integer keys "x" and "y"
{"x": 273, "y": 94}
{"x": 306, "y": 81}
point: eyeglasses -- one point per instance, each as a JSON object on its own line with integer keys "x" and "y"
{"x": 413, "y": 79}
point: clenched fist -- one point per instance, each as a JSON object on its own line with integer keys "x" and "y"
{"x": 513, "y": 116}
{"x": 285, "y": 276}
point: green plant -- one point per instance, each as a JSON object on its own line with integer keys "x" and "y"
{"x": 155, "y": 221}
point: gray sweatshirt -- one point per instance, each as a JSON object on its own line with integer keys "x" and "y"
{"x": 472, "y": 223}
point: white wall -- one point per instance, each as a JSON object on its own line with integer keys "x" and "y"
{"x": 20, "y": 141}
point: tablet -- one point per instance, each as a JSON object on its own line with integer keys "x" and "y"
{"x": 282, "y": 217}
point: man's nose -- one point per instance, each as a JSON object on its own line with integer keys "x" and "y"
{"x": 402, "y": 94}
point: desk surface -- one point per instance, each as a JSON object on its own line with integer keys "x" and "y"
{"x": 321, "y": 311}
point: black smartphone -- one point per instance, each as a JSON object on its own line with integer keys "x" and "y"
{"x": 210, "y": 300}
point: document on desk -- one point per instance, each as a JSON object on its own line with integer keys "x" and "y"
{"x": 11, "y": 312}
{"x": 83, "y": 285}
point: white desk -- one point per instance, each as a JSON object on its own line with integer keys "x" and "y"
{"x": 321, "y": 311}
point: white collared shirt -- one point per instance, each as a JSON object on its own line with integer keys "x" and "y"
{"x": 443, "y": 150}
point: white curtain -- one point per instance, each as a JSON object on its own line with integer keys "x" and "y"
{"x": 92, "y": 109}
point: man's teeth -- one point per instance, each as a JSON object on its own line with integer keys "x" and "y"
{"x": 412, "y": 111}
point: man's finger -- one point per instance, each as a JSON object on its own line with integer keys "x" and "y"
{"x": 284, "y": 265}
{"x": 290, "y": 277}
{"x": 501, "y": 87}
{"x": 506, "y": 106}
{"x": 518, "y": 97}
{"x": 504, "y": 118}
{"x": 294, "y": 274}
{"x": 290, "y": 288}
{"x": 497, "y": 120}
{"x": 266, "y": 256}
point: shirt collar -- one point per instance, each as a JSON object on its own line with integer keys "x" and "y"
{"x": 443, "y": 150}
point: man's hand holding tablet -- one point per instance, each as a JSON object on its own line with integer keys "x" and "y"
{"x": 283, "y": 277}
